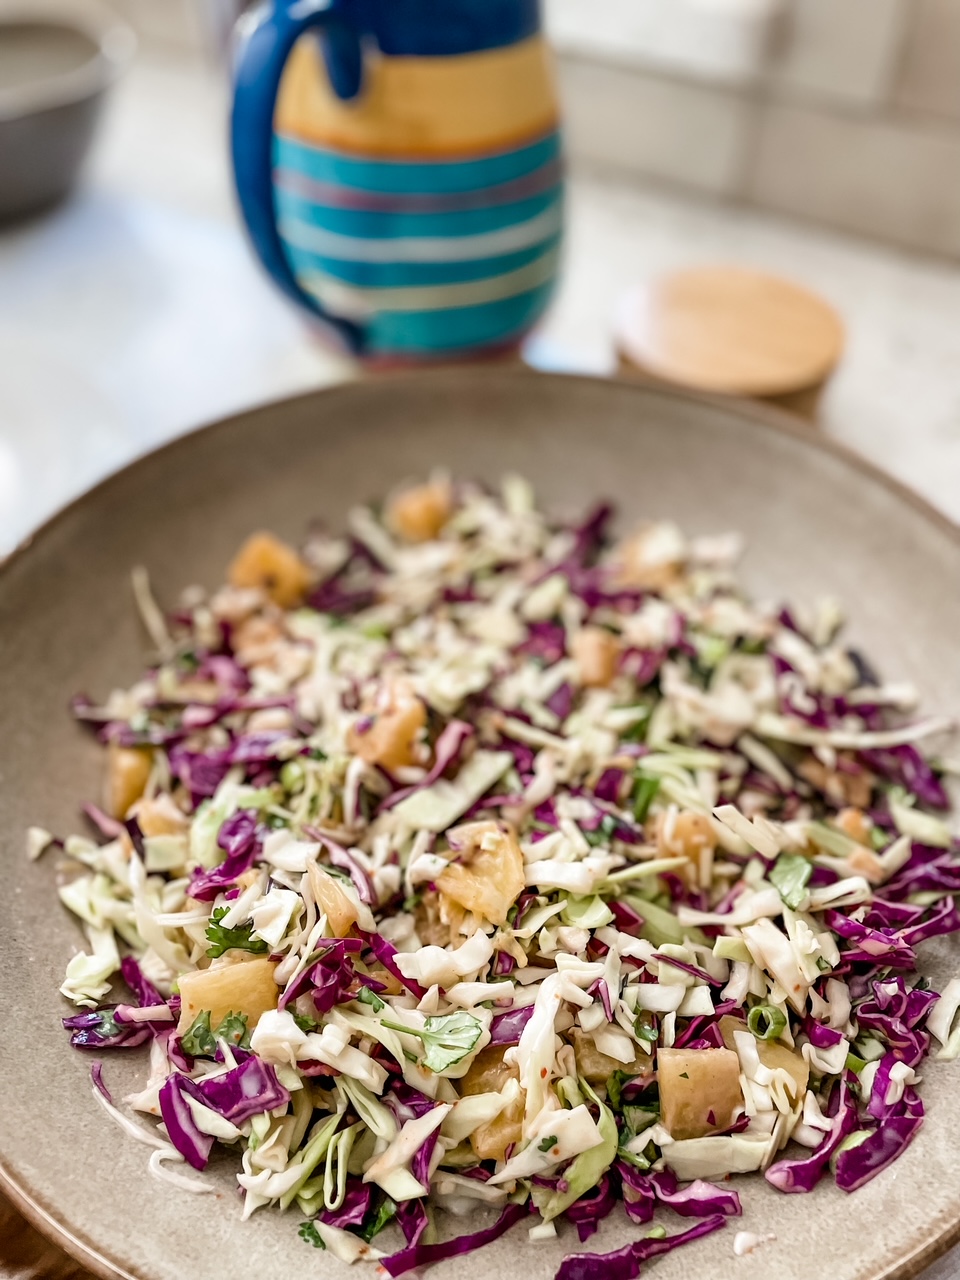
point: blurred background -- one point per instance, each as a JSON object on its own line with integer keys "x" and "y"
{"x": 817, "y": 140}
{"x": 813, "y": 139}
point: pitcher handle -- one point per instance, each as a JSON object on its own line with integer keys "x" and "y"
{"x": 260, "y": 61}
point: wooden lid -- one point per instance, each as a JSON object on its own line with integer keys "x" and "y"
{"x": 730, "y": 330}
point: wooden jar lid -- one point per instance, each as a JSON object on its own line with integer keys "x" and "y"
{"x": 730, "y": 330}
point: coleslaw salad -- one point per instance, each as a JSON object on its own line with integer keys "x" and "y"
{"x": 479, "y": 862}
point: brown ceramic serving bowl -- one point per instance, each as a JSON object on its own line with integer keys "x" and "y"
{"x": 55, "y": 69}
{"x": 817, "y": 522}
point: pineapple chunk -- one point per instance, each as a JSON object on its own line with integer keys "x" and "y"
{"x": 780, "y": 1058}
{"x": 652, "y": 558}
{"x": 160, "y": 817}
{"x": 391, "y": 984}
{"x": 128, "y": 769}
{"x": 855, "y": 824}
{"x": 419, "y": 513}
{"x": 265, "y": 562}
{"x": 340, "y": 911}
{"x": 773, "y": 1054}
{"x": 241, "y": 986}
{"x": 432, "y": 928}
{"x": 699, "y": 1091}
{"x": 488, "y": 1074}
{"x": 394, "y": 736}
{"x": 490, "y": 1140}
{"x": 256, "y": 641}
{"x": 597, "y": 1067}
{"x": 488, "y": 876}
{"x": 595, "y": 652}
{"x": 687, "y": 835}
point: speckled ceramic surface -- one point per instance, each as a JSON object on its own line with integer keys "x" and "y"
{"x": 816, "y": 523}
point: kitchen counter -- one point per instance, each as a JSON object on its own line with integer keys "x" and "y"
{"x": 137, "y": 312}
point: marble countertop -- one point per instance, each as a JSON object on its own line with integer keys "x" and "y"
{"x": 136, "y": 312}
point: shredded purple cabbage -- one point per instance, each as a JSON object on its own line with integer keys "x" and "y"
{"x": 697, "y": 1199}
{"x": 857, "y": 1165}
{"x": 386, "y": 953}
{"x": 505, "y": 1028}
{"x": 424, "y": 1255}
{"x": 446, "y": 752}
{"x": 245, "y": 1091}
{"x": 194, "y": 1145}
{"x": 328, "y": 978}
{"x": 413, "y": 1220}
{"x": 355, "y": 1207}
{"x": 240, "y": 840}
{"x": 626, "y": 1263}
{"x": 589, "y": 1211}
{"x": 800, "y": 1176}
{"x": 96, "y": 1075}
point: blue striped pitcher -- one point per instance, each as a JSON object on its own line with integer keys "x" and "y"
{"x": 398, "y": 166}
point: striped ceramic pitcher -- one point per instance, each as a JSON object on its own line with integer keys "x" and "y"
{"x": 398, "y": 167}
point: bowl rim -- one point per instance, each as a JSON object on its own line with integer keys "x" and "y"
{"x": 113, "y": 44}
{"x": 16, "y": 1189}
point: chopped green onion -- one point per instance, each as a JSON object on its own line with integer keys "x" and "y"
{"x": 643, "y": 795}
{"x": 766, "y": 1021}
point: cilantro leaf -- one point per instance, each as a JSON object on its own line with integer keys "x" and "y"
{"x": 201, "y": 1042}
{"x": 386, "y": 1213}
{"x": 305, "y": 1024}
{"x": 222, "y": 938}
{"x": 447, "y": 1038}
{"x": 198, "y": 1040}
{"x": 615, "y": 1084}
{"x": 790, "y": 874}
{"x": 547, "y": 1143}
{"x": 367, "y": 996}
{"x": 233, "y": 1029}
{"x": 308, "y": 1231}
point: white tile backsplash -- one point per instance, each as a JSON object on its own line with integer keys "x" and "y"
{"x": 930, "y": 72}
{"x": 845, "y": 50}
{"x": 656, "y": 126}
{"x": 727, "y": 40}
{"x": 882, "y": 178}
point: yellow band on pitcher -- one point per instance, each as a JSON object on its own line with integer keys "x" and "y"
{"x": 454, "y": 106}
